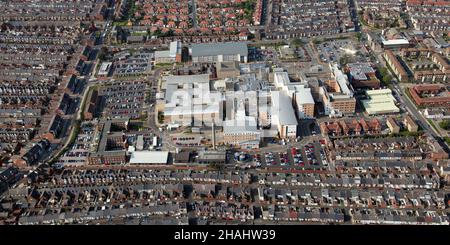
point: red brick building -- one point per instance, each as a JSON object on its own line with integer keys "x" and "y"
{"x": 430, "y": 95}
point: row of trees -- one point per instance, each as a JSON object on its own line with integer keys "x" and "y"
{"x": 386, "y": 78}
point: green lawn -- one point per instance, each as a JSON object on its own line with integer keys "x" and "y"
{"x": 120, "y": 23}
{"x": 406, "y": 133}
{"x": 163, "y": 65}
{"x": 139, "y": 33}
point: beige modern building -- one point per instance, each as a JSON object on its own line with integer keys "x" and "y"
{"x": 392, "y": 125}
{"x": 410, "y": 124}
{"x": 336, "y": 103}
{"x": 343, "y": 104}
{"x": 395, "y": 65}
{"x": 304, "y": 102}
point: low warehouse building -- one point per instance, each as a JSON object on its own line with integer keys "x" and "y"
{"x": 380, "y": 101}
{"x": 149, "y": 158}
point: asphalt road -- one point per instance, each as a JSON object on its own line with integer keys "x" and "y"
{"x": 194, "y": 14}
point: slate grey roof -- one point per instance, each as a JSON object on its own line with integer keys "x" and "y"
{"x": 211, "y": 49}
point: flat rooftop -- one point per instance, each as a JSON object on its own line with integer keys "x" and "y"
{"x": 396, "y": 42}
{"x": 303, "y": 96}
{"x": 211, "y": 49}
{"x": 282, "y": 107}
{"x": 380, "y": 101}
{"x": 149, "y": 157}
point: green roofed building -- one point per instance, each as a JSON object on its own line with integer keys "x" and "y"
{"x": 380, "y": 101}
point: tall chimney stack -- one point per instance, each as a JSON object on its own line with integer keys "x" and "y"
{"x": 213, "y": 136}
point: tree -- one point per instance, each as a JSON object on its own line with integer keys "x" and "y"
{"x": 316, "y": 41}
{"x": 298, "y": 42}
{"x": 157, "y": 32}
{"x": 387, "y": 79}
{"x": 344, "y": 60}
{"x": 394, "y": 23}
{"x": 102, "y": 54}
{"x": 160, "y": 117}
{"x": 445, "y": 124}
{"x": 383, "y": 71}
